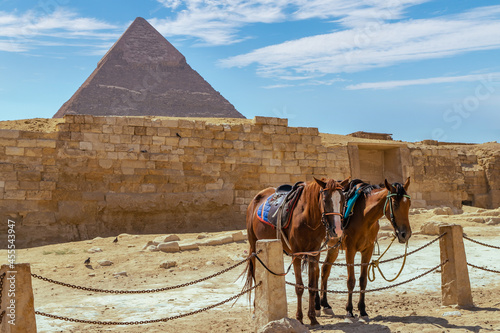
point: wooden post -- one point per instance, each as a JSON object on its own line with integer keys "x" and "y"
{"x": 17, "y": 300}
{"x": 455, "y": 284}
{"x": 270, "y": 297}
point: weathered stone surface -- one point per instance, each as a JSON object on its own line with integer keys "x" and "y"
{"x": 285, "y": 325}
{"x": 239, "y": 236}
{"x": 105, "y": 262}
{"x": 442, "y": 211}
{"x": 152, "y": 248}
{"x": 431, "y": 228}
{"x": 493, "y": 221}
{"x": 122, "y": 273}
{"x": 148, "y": 244}
{"x": 154, "y": 182}
{"x": 94, "y": 250}
{"x": 169, "y": 247}
{"x": 165, "y": 239}
{"x": 188, "y": 245}
{"x": 216, "y": 241}
{"x": 168, "y": 264}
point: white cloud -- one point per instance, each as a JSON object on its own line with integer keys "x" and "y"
{"x": 377, "y": 45}
{"x": 491, "y": 77}
{"x": 219, "y": 23}
{"x": 21, "y": 33}
{"x": 275, "y": 86}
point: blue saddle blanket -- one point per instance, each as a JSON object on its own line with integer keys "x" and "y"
{"x": 279, "y": 205}
{"x": 349, "y": 207}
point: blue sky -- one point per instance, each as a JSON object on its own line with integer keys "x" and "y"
{"x": 417, "y": 69}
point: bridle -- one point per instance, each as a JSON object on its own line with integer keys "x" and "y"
{"x": 391, "y": 209}
{"x": 330, "y": 229}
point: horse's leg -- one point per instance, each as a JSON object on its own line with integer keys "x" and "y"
{"x": 366, "y": 255}
{"x": 299, "y": 289}
{"x": 331, "y": 256}
{"x": 313, "y": 283}
{"x": 351, "y": 281}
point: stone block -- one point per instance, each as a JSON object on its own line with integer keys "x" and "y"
{"x": 188, "y": 245}
{"x": 14, "y": 151}
{"x": 431, "y": 228}
{"x": 9, "y": 134}
{"x": 166, "y": 239}
{"x": 238, "y": 236}
{"x": 168, "y": 264}
{"x": 169, "y": 247}
{"x": 216, "y": 241}
{"x": 85, "y": 145}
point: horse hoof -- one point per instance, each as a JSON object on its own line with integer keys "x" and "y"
{"x": 314, "y": 322}
{"x": 349, "y": 318}
{"x": 328, "y": 311}
{"x": 364, "y": 319}
{"x": 318, "y": 313}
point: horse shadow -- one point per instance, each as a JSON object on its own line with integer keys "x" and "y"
{"x": 356, "y": 326}
{"x": 442, "y": 322}
{"x": 376, "y": 324}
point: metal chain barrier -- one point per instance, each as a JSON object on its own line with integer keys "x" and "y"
{"x": 383, "y": 261}
{"x": 483, "y": 268}
{"x": 141, "y": 322}
{"x": 141, "y": 291}
{"x": 370, "y": 290}
{"x": 1, "y": 292}
{"x": 483, "y": 244}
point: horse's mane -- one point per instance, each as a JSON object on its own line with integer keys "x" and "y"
{"x": 366, "y": 188}
{"x": 400, "y": 190}
{"x": 312, "y": 193}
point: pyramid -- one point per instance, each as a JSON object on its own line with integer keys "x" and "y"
{"x": 144, "y": 75}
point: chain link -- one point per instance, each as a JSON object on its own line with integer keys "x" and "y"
{"x": 141, "y": 291}
{"x": 483, "y": 268}
{"x": 141, "y": 322}
{"x": 383, "y": 261}
{"x": 370, "y": 290}
{"x": 483, "y": 244}
{"x": 1, "y": 292}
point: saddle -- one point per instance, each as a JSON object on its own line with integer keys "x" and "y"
{"x": 278, "y": 207}
{"x": 351, "y": 196}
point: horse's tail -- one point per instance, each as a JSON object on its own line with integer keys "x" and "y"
{"x": 250, "y": 266}
{"x": 250, "y": 279}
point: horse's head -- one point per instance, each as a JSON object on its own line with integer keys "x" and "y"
{"x": 396, "y": 209}
{"x": 331, "y": 203}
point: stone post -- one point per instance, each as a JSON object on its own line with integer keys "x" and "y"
{"x": 455, "y": 284}
{"x": 270, "y": 297}
{"x": 17, "y": 300}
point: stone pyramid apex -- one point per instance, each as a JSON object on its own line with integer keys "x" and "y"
{"x": 141, "y": 44}
{"x": 142, "y": 74}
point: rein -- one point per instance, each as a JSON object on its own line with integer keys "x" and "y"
{"x": 375, "y": 264}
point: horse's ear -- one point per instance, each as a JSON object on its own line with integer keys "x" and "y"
{"x": 389, "y": 186}
{"x": 321, "y": 183}
{"x": 407, "y": 184}
{"x": 345, "y": 182}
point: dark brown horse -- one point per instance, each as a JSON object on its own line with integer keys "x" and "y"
{"x": 361, "y": 233}
{"x": 320, "y": 202}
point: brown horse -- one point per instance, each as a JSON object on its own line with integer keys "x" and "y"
{"x": 361, "y": 233}
{"x": 312, "y": 218}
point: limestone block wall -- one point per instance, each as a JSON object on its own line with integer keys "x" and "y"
{"x": 101, "y": 176}
{"x": 108, "y": 175}
{"x": 438, "y": 179}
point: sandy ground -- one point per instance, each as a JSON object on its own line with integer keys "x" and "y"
{"x": 412, "y": 307}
